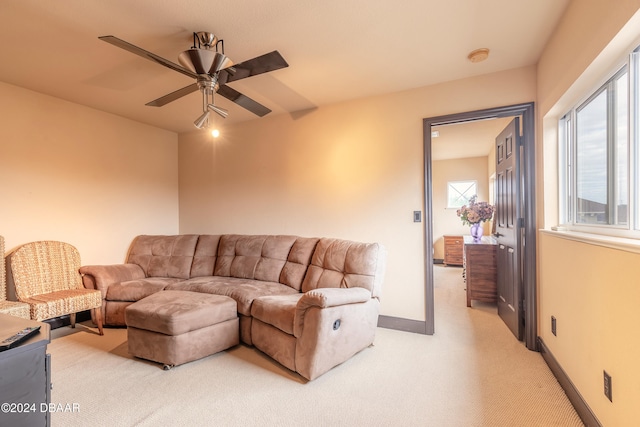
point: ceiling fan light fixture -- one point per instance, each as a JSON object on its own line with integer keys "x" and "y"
{"x": 221, "y": 111}
{"x": 202, "y": 121}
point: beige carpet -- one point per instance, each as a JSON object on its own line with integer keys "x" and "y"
{"x": 472, "y": 372}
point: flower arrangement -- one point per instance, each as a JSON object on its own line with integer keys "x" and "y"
{"x": 476, "y": 212}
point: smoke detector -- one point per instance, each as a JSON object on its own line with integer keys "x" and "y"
{"x": 478, "y": 55}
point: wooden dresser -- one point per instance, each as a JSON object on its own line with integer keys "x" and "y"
{"x": 453, "y": 250}
{"x": 480, "y": 269}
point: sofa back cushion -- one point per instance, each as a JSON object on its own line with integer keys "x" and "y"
{"x": 345, "y": 264}
{"x": 204, "y": 259}
{"x": 264, "y": 258}
{"x": 164, "y": 256}
{"x": 298, "y": 261}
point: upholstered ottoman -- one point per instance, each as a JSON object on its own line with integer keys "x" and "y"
{"x": 176, "y": 327}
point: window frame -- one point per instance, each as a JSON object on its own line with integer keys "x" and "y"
{"x": 634, "y": 140}
{"x": 567, "y": 155}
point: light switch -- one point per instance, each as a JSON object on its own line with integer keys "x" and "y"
{"x": 417, "y": 216}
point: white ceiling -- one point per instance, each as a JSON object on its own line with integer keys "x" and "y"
{"x": 468, "y": 139}
{"x": 337, "y": 50}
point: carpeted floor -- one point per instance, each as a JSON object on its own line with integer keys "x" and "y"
{"x": 472, "y": 372}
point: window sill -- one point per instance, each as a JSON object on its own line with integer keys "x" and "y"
{"x": 620, "y": 243}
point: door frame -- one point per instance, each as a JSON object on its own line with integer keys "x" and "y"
{"x": 526, "y": 111}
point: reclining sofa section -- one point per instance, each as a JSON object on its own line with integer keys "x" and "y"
{"x": 309, "y": 303}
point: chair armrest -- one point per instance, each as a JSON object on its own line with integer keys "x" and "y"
{"x": 325, "y": 298}
{"x": 102, "y": 276}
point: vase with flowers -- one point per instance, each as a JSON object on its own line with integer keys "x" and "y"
{"x": 474, "y": 215}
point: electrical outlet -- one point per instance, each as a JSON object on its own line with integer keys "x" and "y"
{"x": 553, "y": 325}
{"x": 607, "y": 386}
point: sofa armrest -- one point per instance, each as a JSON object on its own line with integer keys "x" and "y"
{"x": 330, "y": 297}
{"x": 325, "y": 298}
{"x": 331, "y": 325}
{"x": 102, "y": 276}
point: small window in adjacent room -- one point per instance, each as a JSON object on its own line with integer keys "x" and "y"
{"x": 459, "y": 193}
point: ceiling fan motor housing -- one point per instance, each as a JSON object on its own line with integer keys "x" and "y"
{"x": 204, "y": 61}
{"x": 208, "y": 85}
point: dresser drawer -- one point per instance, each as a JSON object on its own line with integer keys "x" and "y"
{"x": 453, "y": 246}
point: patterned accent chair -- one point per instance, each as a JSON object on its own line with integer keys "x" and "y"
{"x": 12, "y": 308}
{"x": 46, "y": 277}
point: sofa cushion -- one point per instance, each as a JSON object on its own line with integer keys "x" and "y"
{"x": 204, "y": 258}
{"x": 242, "y": 290}
{"x": 253, "y": 257}
{"x": 276, "y": 310}
{"x": 298, "y": 261}
{"x": 345, "y": 264}
{"x": 164, "y": 256}
{"x": 135, "y": 290}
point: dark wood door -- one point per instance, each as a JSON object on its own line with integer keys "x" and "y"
{"x": 508, "y": 227}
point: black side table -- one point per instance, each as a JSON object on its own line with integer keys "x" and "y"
{"x": 25, "y": 375}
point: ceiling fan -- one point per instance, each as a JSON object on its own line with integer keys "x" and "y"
{"x": 212, "y": 70}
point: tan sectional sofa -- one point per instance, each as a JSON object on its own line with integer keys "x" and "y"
{"x": 309, "y": 303}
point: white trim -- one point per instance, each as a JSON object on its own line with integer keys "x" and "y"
{"x": 619, "y": 243}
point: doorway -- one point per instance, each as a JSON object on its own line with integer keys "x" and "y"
{"x": 528, "y": 230}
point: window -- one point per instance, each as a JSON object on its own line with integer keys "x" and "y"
{"x": 598, "y": 158}
{"x": 459, "y": 193}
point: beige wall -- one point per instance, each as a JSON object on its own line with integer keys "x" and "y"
{"x": 78, "y": 175}
{"x": 445, "y": 220}
{"x": 592, "y": 291}
{"x": 352, "y": 170}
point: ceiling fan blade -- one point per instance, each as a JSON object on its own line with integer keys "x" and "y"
{"x": 243, "y": 101}
{"x": 261, "y": 64}
{"x": 164, "y": 100}
{"x": 148, "y": 55}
